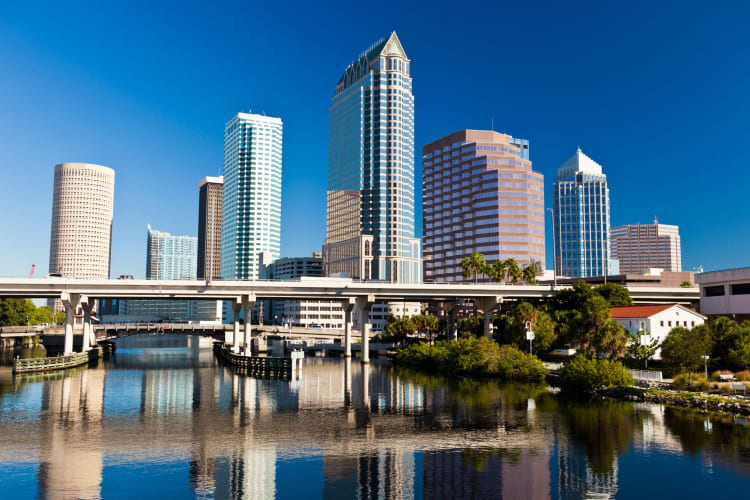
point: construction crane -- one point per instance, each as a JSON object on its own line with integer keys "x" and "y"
{"x": 31, "y": 274}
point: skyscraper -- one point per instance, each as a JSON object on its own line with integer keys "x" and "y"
{"x": 581, "y": 218}
{"x": 81, "y": 231}
{"x": 209, "y": 227}
{"x": 82, "y": 211}
{"x": 480, "y": 195}
{"x": 370, "y": 198}
{"x": 170, "y": 257}
{"x": 639, "y": 247}
{"x": 251, "y": 207}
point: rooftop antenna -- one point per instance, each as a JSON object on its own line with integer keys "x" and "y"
{"x": 656, "y": 220}
{"x": 493, "y": 123}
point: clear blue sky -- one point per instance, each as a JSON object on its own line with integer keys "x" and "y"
{"x": 656, "y": 93}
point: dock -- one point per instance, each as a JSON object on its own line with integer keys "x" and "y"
{"x": 35, "y": 365}
{"x": 286, "y": 368}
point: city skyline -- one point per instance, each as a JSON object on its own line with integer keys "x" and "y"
{"x": 171, "y": 139}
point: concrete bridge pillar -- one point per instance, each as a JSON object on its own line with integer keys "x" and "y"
{"x": 89, "y": 337}
{"x": 488, "y": 305}
{"x": 348, "y": 307}
{"x": 451, "y": 310}
{"x": 365, "y": 303}
{"x": 248, "y": 302}
{"x": 70, "y": 301}
{"x": 236, "y": 308}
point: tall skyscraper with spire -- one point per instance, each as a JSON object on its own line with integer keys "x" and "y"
{"x": 581, "y": 218}
{"x": 370, "y": 197}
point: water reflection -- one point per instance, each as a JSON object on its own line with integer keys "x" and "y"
{"x": 164, "y": 415}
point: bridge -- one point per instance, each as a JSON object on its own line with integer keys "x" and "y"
{"x": 242, "y": 295}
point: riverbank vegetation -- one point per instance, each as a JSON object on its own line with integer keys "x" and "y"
{"x": 473, "y": 357}
{"x": 20, "y": 312}
{"x": 586, "y": 375}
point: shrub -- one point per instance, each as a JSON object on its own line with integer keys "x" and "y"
{"x": 473, "y": 356}
{"x": 680, "y": 381}
{"x": 585, "y": 375}
{"x": 716, "y": 376}
{"x": 698, "y": 382}
{"x": 744, "y": 375}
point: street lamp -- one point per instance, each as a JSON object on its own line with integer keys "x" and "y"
{"x": 554, "y": 250}
{"x": 705, "y": 365}
{"x": 529, "y": 336}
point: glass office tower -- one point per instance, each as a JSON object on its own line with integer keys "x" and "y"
{"x": 251, "y": 206}
{"x": 170, "y": 257}
{"x": 581, "y": 218}
{"x": 370, "y": 198}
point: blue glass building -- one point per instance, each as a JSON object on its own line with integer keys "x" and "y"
{"x": 370, "y": 197}
{"x": 581, "y": 218}
{"x": 170, "y": 257}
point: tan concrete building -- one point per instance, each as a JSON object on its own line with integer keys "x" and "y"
{"x": 82, "y": 211}
{"x": 480, "y": 194}
{"x": 640, "y": 247}
{"x": 209, "y": 227}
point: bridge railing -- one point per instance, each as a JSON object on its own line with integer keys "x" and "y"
{"x": 647, "y": 375}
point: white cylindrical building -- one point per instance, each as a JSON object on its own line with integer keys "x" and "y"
{"x": 82, "y": 210}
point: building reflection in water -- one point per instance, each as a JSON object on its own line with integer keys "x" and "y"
{"x": 71, "y": 448}
{"x": 376, "y": 432}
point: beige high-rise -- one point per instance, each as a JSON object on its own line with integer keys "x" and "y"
{"x": 480, "y": 194}
{"x": 82, "y": 210}
{"x": 640, "y": 247}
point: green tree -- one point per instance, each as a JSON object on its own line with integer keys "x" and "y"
{"x": 739, "y": 353}
{"x": 14, "y": 312}
{"x": 400, "y": 328}
{"x": 594, "y": 318}
{"x": 498, "y": 271}
{"x": 513, "y": 270}
{"x": 611, "y": 339}
{"x": 572, "y": 299}
{"x": 614, "y": 294}
{"x": 474, "y": 265}
{"x": 638, "y": 354}
{"x": 471, "y": 327}
{"x": 424, "y": 323}
{"x": 529, "y": 274}
{"x": 723, "y": 332}
{"x": 541, "y": 324}
{"x": 684, "y": 348}
{"x": 686, "y": 284}
{"x": 45, "y": 314}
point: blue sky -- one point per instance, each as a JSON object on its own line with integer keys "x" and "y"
{"x": 654, "y": 91}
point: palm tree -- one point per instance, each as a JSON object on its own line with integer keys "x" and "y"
{"x": 499, "y": 270}
{"x": 477, "y": 264}
{"x": 485, "y": 269}
{"x": 529, "y": 274}
{"x": 514, "y": 272}
{"x": 466, "y": 267}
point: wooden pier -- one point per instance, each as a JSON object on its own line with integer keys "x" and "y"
{"x": 262, "y": 366}
{"x": 34, "y": 365}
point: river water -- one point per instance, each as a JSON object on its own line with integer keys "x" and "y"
{"x": 163, "y": 419}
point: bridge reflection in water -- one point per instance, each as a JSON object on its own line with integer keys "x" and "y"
{"x": 165, "y": 416}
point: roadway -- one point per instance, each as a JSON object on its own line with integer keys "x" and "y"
{"x": 310, "y": 288}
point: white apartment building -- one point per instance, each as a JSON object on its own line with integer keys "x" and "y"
{"x": 656, "y": 321}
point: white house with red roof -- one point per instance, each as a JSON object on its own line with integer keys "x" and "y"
{"x": 656, "y": 321}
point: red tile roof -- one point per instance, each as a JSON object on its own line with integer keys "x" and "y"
{"x": 638, "y": 311}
